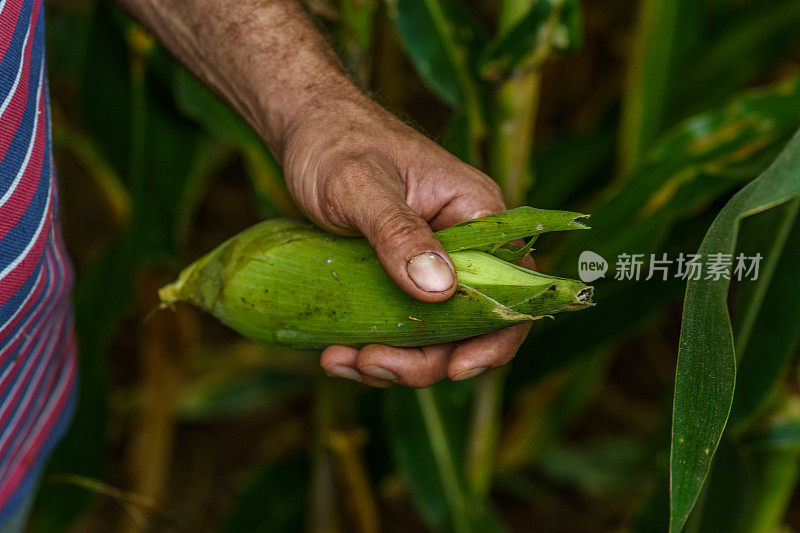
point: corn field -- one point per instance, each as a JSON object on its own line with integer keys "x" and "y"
{"x": 671, "y": 405}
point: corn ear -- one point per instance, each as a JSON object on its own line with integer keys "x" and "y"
{"x": 288, "y": 283}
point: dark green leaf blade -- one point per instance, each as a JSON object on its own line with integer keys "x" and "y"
{"x": 197, "y": 102}
{"x": 706, "y": 370}
{"x": 653, "y": 64}
{"x": 441, "y": 38}
{"x": 775, "y": 332}
{"x": 688, "y": 167}
{"x": 274, "y": 500}
{"x": 428, "y": 447}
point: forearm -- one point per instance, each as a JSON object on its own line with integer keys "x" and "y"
{"x": 265, "y": 57}
{"x": 352, "y": 167}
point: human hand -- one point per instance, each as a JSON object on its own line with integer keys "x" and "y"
{"x": 355, "y": 169}
{"x": 352, "y": 167}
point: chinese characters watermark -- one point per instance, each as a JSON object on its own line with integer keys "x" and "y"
{"x": 636, "y": 267}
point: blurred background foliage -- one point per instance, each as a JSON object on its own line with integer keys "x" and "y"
{"x": 650, "y": 115}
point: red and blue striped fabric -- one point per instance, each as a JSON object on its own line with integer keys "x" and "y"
{"x": 37, "y": 345}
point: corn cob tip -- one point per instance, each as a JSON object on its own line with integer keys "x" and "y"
{"x": 582, "y": 298}
{"x": 197, "y": 284}
{"x": 584, "y": 295}
{"x": 170, "y": 293}
{"x": 580, "y": 222}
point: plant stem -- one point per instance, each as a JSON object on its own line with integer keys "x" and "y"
{"x": 470, "y": 98}
{"x": 162, "y": 362}
{"x": 512, "y": 141}
{"x": 481, "y": 457}
{"x": 516, "y": 104}
{"x": 323, "y": 514}
{"x": 442, "y": 453}
{"x": 644, "y": 105}
{"x": 346, "y": 444}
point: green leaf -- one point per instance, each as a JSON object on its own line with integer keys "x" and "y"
{"x": 441, "y": 38}
{"x": 504, "y": 227}
{"x": 736, "y": 44}
{"x": 725, "y": 493}
{"x": 228, "y": 396}
{"x": 412, "y": 450}
{"x": 716, "y": 48}
{"x": 548, "y": 26}
{"x": 573, "y": 167}
{"x": 772, "y": 323}
{"x": 427, "y": 443}
{"x": 773, "y": 453}
{"x": 652, "y": 65}
{"x": 691, "y": 165}
{"x": 200, "y": 104}
{"x": 274, "y": 500}
{"x": 602, "y": 468}
{"x": 706, "y": 369}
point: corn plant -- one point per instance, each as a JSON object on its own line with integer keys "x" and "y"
{"x": 677, "y": 134}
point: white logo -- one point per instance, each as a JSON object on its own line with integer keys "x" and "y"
{"x": 591, "y": 266}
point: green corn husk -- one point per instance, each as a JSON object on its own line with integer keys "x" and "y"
{"x": 288, "y": 283}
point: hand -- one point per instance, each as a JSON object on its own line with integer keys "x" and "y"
{"x": 354, "y": 169}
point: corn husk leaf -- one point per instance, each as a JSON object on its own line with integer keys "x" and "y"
{"x": 288, "y": 283}
{"x": 505, "y": 227}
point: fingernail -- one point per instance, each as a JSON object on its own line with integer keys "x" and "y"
{"x": 430, "y": 272}
{"x": 471, "y": 373}
{"x": 379, "y": 373}
{"x": 341, "y": 371}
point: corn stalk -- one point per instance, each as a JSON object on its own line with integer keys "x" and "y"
{"x": 516, "y": 104}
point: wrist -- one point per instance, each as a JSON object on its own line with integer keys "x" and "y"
{"x": 333, "y": 115}
{"x": 302, "y": 103}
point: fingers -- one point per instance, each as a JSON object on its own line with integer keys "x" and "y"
{"x": 474, "y": 195}
{"x": 411, "y": 254}
{"x": 486, "y": 351}
{"x": 340, "y": 362}
{"x": 468, "y": 209}
{"x": 369, "y": 195}
{"x": 412, "y": 367}
{"x": 408, "y": 250}
{"x": 382, "y": 366}
{"x": 377, "y": 365}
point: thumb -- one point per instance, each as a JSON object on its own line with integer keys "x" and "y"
{"x": 408, "y": 250}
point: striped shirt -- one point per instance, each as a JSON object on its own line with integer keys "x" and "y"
{"x": 37, "y": 346}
